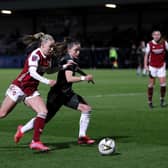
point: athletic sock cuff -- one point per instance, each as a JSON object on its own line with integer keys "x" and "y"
{"x": 42, "y": 115}
{"x": 163, "y": 85}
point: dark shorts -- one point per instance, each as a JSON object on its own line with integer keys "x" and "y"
{"x": 56, "y": 100}
{"x": 112, "y": 59}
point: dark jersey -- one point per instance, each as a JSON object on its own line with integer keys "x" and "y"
{"x": 62, "y": 93}
{"x": 62, "y": 83}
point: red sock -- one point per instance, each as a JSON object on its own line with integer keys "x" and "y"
{"x": 38, "y": 128}
{"x": 150, "y": 94}
{"x": 162, "y": 91}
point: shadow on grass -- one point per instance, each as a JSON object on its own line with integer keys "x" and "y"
{"x": 61, "y": 145}
{"x": 13, "y": 147}
{"x": 65, "y": 145}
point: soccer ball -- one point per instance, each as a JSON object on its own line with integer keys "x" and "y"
{"x": 106, "y": 146}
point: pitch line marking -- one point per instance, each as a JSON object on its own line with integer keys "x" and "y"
{"x": 116, "y": 95}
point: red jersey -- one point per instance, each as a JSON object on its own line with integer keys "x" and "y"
{"x": 24, "y": 81}
{"x": 157, "y": 53}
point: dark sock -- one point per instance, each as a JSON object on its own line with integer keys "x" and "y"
{"x": 38, "y": 128}
{"x": 162, "y": 92}
{"x": 150, "y": 94}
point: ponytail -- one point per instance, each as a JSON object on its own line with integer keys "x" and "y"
{"x": 59, "y": 49}
{"x": 28, "y": 40}
{"x": 34, "y": 41}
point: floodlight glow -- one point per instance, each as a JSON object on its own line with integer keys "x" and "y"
{"x": 110, "y": 5}
{"x": 7, "y": 12}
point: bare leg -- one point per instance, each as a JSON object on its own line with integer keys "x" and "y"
{"x": 38, "y": 105}
{"x": 150, "y": 91}
{"x": 162, "y": 90}
{"x": 6, "y": 107}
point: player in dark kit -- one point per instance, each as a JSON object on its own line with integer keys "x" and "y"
{"x": 62, "y": 94}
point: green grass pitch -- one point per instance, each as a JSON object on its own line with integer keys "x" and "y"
{"x": 120, "y": 111}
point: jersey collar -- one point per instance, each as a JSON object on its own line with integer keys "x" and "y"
{"x": 44, "y": 56}
{"x": 71, "y": 57}
{"x": 154, "y": 42}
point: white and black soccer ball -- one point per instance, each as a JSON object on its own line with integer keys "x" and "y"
{"x": 106, "y": 146}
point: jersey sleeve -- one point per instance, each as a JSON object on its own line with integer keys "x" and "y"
{"x": 33, "y": 60}
{"x": 147, "y": 50}
{"x": 166, "y": 45}
{"x": 35, "y": 75}
{"x": 69, "y": 68}
{"x": 63, "y": 62}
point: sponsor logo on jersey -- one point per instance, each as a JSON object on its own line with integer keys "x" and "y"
{"x": 34, "y": 58}
{"x": 158, "y": 51}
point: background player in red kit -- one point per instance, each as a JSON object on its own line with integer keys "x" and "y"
{"x": 24, "y": 87}
{"x": 154, "y": 62}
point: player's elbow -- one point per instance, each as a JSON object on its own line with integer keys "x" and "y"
{"x": 32, "y": 71}
{"x": 32, "y": 74}
{"x": 69, "y": 79}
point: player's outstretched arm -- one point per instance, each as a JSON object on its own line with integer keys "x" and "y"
{"x": 35, "y": 75}
{"x": 72, "y": 79}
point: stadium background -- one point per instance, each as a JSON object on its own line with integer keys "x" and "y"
{"x": 118, "y": 98}
{"x": 97, "y": 27}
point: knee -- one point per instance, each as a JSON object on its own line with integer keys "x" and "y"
{"x": 2, "y": 114}
{"x": 44, "y": 111}
{"x": 89, "y": 108}
{"x": 86, "y": 108}
{"x": 150, "y": 85}
{"x": 163, "y": 84}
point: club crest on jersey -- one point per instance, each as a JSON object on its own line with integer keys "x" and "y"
{"x": 34, "y": 58}
{"x": 14, "y": 93}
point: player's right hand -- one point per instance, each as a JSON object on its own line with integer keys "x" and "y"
{"x": 89, "y": 77}
{"x": 146, "y": 67}
{"x": 52, "y": 83}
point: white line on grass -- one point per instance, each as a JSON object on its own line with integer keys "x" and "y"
{"x": 117, "y": 95}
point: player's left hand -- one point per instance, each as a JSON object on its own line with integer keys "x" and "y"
{"x": 89, "y": 77}
{"x": 52, "y": 82}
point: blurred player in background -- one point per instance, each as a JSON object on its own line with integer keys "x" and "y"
{"x": 154, "y": 62}
{"x": 62, "y": 94}
{"x": 140, "y": 56}
{"x": 113, "y": 56}
{"x": 24, "y": 87}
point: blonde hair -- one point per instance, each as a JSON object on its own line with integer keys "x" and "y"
{"x": 46, "y": 37}
{"x": 40, "y": 38}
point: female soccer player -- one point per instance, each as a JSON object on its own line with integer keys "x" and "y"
{"x": 24, "y": 87}
{"x": 62, "y": 94}
{"x": 154, "y": 62}
{"x": 140, "y": 51}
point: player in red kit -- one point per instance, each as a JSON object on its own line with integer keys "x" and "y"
{"x": 154, "y": 62}
{"x": 62, "y": 94}
{"x": 24, "y": 87}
